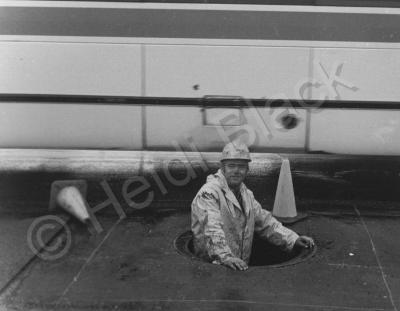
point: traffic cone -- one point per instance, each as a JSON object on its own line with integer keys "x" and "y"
{"x": 71, "y": 200}
{"x": 285, "y": 205}
{"x": 70, "y": 195}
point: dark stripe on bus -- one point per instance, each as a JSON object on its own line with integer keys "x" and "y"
{"x": 200, "y": 102}
{"x": 199, "y": 24}
{"x": 346, "y": 3}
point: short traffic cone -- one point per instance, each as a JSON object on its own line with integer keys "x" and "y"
{"x": 70, "y": 195}
{"x": 71, "y": 200}
{"x": 285, "y": 205}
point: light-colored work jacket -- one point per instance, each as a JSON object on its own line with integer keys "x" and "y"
{"x": 222, "y": 229}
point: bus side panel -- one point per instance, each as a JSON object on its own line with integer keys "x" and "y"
{"x": 357, "y": 74}
{"x": 56, "y": 125}
{"x": 360, "y": 75}
{"x": 355, "y": 131}
{"x": 211, "y": 128}
{"x": 70, "y": 68}
{"x": 248, "y": 71}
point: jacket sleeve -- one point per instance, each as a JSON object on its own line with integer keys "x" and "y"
{"x": 271, "y": 229}
{"x": 206, "y": 207}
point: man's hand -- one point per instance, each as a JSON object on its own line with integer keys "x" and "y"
{"x": 304, "y": 242}
{"x": 235, "y": 263}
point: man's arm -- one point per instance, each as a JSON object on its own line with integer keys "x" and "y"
{"x": 206, "y": 208}
{"x": 271, "y": 229}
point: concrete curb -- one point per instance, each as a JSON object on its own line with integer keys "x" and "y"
{"x": 29, "y": 173}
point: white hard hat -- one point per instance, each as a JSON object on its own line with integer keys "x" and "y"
{"x": 235, "y": 151}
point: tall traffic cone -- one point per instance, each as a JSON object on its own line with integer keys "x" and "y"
{"x": 285, "y": 205}
{"x": 70, "y": 196}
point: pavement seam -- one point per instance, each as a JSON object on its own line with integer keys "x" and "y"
{"x": 343, "y": 265}
{"x": 247, "y": 302}
{"x": 32, "y": 259}
{"x": 377, "y": 259}
{"x": 76, "y": 277}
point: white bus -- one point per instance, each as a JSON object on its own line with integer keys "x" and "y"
{"x": 298, "y": 76}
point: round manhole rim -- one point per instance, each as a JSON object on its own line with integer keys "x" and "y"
{"x": 181, "y": 244}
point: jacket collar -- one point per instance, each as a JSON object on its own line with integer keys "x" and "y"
{"x": 230, "y": 195}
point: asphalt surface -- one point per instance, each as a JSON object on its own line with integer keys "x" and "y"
{"x": 133, "y": 264}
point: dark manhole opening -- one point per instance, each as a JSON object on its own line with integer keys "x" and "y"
{"x": 263, "y": 253}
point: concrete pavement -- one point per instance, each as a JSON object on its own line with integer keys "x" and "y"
{"x": 133, "y": 266}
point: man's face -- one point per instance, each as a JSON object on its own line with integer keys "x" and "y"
{"x": 235, "y": 172}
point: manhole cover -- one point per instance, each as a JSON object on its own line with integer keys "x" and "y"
{"x": 263, "y": 253}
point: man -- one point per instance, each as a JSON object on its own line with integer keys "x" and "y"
{"x": 225, "y": 215}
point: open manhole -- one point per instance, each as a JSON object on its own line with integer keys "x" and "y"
{"x": 263, "y": 253}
